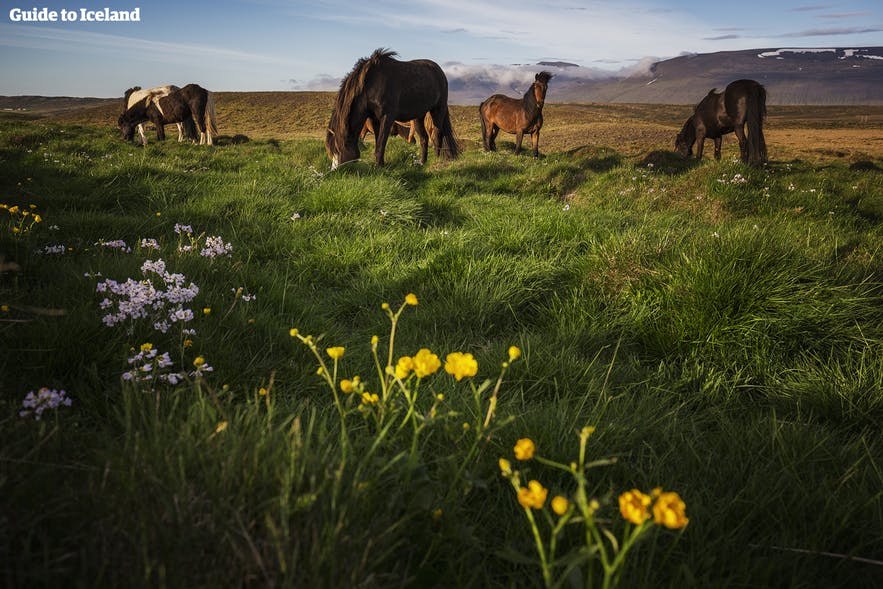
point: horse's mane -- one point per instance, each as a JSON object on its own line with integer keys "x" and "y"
{"x": 352, "y": 86}
{"x": 544, "y": 77}
{"x": 126, "y": 95}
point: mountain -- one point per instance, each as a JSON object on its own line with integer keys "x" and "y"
{"x": 832, "y": 76}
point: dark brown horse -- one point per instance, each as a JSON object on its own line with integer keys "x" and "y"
{"x": 385, "y": 90}
{"x": 742, "y": 102}
{"x": 191, "y": 105}
{"x": 515, "y": 115}
{"x": 407, "y": 131}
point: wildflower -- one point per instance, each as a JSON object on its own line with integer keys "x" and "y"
{"x": 425, "y": 363}
{"x": 215, "y": 246}
{"x": 263, "y": 392}
{"x": 370, "y": 398}
{"x": 221, "y": 427}
{"x": 411, "y": 299}
{"x": 148, "y": 243}
{"x": 188, "y": 343}
{"x": 466, "y": 426}
{"x": 404, "y": 367}
{"x": 335, "y": 353}
{"x": 633, "y": 506}
{"x": 207, "y": 311}
{"x": 532, "y": 496}
{"x": 560, "y": 505}
{"x": 374, "y": 341}
{"x": 460, "y": 365}
{"x": 45, "y": 398}
{"x": 437, "y": 513}
{"x": 505, "y": 467}
{"x": 4, "y": 308}
{"x": 199, "y": 361}
{"x": 146, "y": 347}
{"x": 524, "y": 449}
{"x": 293, "y": 332}
{"x": 669, "y": 511}
{"x": 346, "y": 386}
{"x": 514, "y": 353}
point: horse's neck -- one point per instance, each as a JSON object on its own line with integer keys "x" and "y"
{"x": 530, "y": 104}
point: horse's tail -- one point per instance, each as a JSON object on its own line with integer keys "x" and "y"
{"x": 210, "y": 124}
{"x": 446, "y": 140}
{"x": 754, "y": 116}
{"x": 483, "y": 125}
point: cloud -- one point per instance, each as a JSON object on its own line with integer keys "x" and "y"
{"x": 843, "y": 15}
{"x": 322, "y": 83}
{"x": 722, "y": 37}
{"x": 835, "y": 31}
{"x": 811, "y": 8}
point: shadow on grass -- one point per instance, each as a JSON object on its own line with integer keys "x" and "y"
{"x": 667, "y": 162}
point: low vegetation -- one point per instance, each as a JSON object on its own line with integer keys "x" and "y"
{"x": 608, "y": 366}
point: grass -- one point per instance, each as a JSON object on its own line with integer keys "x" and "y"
{"x": 719, "y": 325}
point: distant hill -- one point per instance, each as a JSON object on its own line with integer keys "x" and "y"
{"x": 827, "y": 76}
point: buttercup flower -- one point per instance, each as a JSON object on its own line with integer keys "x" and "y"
{"x": 560, "y": 505}
{"x": 335, "y": 353}
{"x": 293, "y": 332}
{"x": 404, "y": 367}
{"x": 669, "y": 511}
{"x": 524, "y": 449}
{"x": 411, "y": 299}
{"x": 533, "y": 496}
{"x": 505, "y": 467}
{"x": 459, "y": 365}
{"x": 346, "y": 386}
{"x": 633, "y": 506}
{"x": 514, "y": 353}
{"x": 425, "y": 363}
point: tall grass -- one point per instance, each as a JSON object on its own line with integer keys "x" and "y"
{"x": 720, "y": 326}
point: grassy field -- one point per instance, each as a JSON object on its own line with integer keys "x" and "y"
{"x": 720, "y": 328}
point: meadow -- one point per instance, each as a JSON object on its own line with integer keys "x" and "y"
{"x": 606, "y": 319}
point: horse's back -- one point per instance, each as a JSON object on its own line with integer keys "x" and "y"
{"x": 151, "y": 93}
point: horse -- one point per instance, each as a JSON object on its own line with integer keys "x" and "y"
{"x": 515, "y": 115}
{"x": 192, "y": 105}
{"x": 383, "y": 90}
{"x": 742, "y": 102}
{"x": 405, "y": 130}
{"x": 135, "y": 95}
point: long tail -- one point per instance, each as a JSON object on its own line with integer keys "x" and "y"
{"x": 211, "y": 127}
{"x": 446, "y": 139}
{"x": 757, "y": 153}
{"x": 483, "y": 126}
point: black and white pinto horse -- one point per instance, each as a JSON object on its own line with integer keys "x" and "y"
{"x": 742, "y": 102}
{"x": 133, "y": 96}
{"x": 191, "y": 105}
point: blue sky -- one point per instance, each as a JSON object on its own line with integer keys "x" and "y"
{"x": 278, "y": 45}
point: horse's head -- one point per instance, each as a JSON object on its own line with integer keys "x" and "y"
{"x": 341, "y": 143}
{"x": 686, "y": 138}
{"x": 540, "y": 86}
{"x": 127, "y": 127}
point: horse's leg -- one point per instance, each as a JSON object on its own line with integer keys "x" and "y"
{"x": 381, "y": 136}
{"x": 160, "y": 130}
{"x": 418, "y": 130}
{"x": 700, "y": 144}
{"x": 493, "y": 137}
{"x": 535, "y": 138}
{"x": 743, "y": 142}
{"x": 519, "y": 136}
{"x": 180, "y": 132}
{"x": 141, "y": 134}
{"x": 717, "y": 148}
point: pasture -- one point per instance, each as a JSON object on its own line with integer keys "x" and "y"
{"x": 719, "y": 326}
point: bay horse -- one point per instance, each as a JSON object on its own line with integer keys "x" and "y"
{"x": 742, "y": 102}
{"x": 514, "y": 115}
{"x": 191, "y": 105}
{"x": 405, "y": 130}
{"x": 385, "y": 90}
{"x": 132, "y": 96}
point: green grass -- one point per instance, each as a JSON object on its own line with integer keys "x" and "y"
{"x": 723, "y": 335}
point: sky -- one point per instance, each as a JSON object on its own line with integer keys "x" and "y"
{"x": 254, "y": 45}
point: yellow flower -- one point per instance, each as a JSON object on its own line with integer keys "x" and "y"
{"x": 198, "y": 361}
{"x": 459, "y": 365}
{"x": 514, "y": 353}
{"x": 374, "y": 341}
{"x": 4, "y": 308}
{"x": 188, "y": 343}
{"x": 466, "y": 426}
{"x": 385, "y": 306}
{"x": 437, "y": 513}
{"x": 370, "y": 398}
{"x": 146, "y": 347}
{"x": 669, "y": 511}
{"x": 411, "y": 299}
{"x": 505, "y": 467}
{"x": 404, "y": 367}
{"x": 221, "y": 427}
{"x": 633, "y": 506}
{"x": 293, "y": 332}
{"x": 38, "y": 219}
{"x": 346, "y": 386}
{"x": 532, "y": 496}
{"x": 335, "y": 353}
{"x": 263, "y": 392}
{"x": 425, "y": 363}
{"x": 13, "y": 210}
{"x": 16, "y": 230}
{"x": 524, "y": 449}
{"x": 560, "y": 504}
{"x": 206, "y": 310}
{"x": 158, "y": 214}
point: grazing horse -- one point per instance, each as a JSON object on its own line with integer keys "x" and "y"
{"x": 515, "y": 115}
{"x": 742, "y": 102}
{"x": 385, "y": 90}
{"x": 407, "y": 131}
{"x": 191, "y": 105}
{"x": 135, "y": 95}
